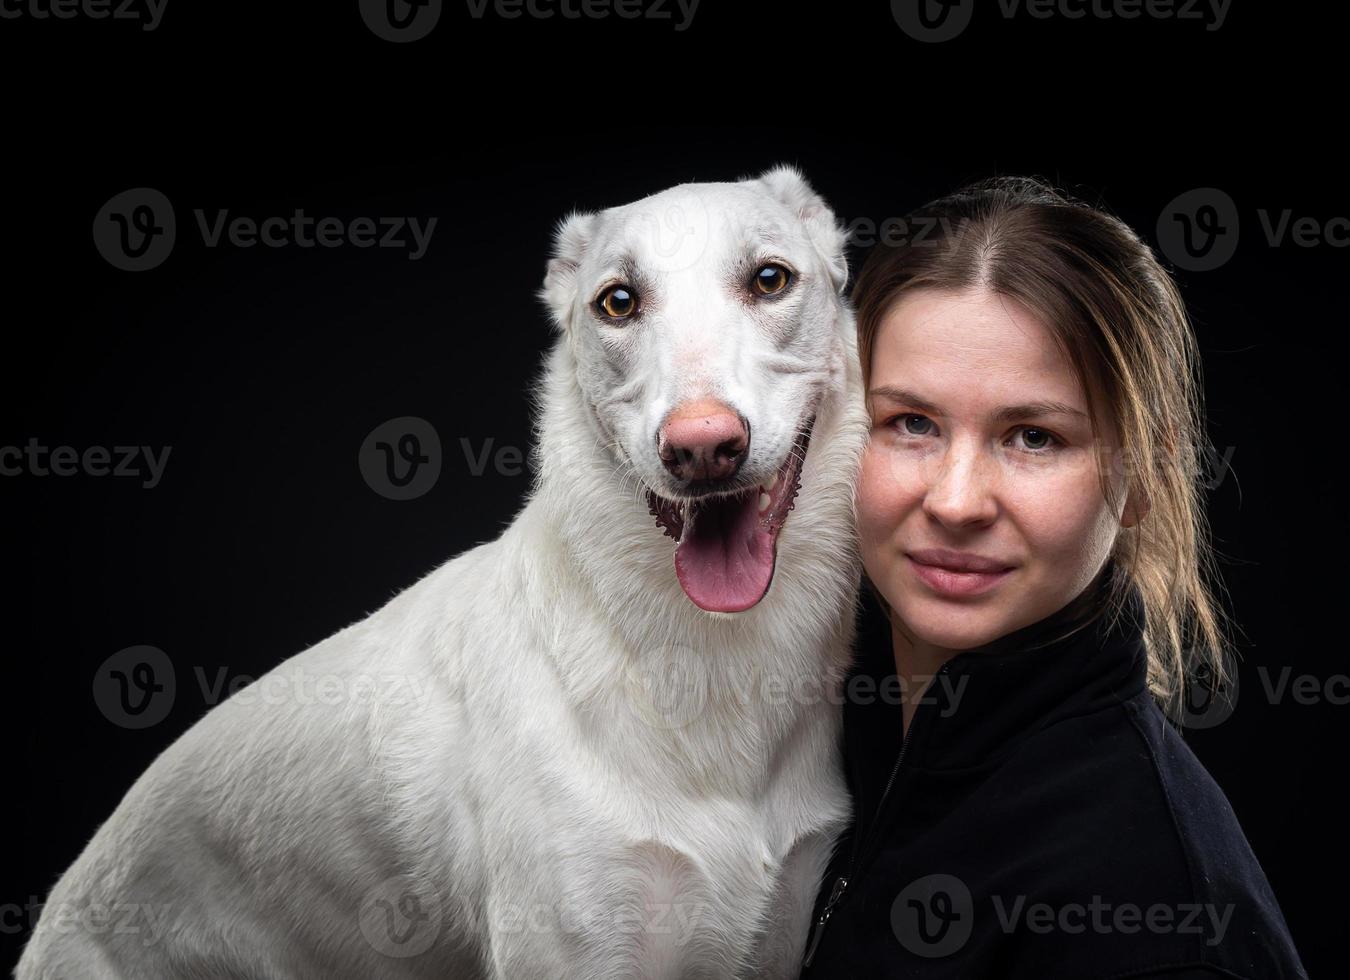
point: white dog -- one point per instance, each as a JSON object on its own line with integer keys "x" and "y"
{"x": 582, "y": 750}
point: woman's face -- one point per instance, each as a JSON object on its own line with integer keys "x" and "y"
{"x": 953, "y": 464}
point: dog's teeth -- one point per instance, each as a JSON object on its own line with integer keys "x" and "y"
{"x": 764, "y": 501}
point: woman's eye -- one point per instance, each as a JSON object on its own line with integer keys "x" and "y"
{"x": 770, "y": 279}
{"x": 1036, "y": 444}
{"x": 1035, "y": 440}
{"x": 617, "y": 302}
{"x": 905, "y": 421}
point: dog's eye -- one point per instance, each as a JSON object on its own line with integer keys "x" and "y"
{"x": 617, "y": 302}
{"x": 771, "y": 279}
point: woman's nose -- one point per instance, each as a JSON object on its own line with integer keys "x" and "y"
{"x": 961, "y": 487}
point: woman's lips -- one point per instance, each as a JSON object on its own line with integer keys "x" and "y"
{"x": 946, "y": 582}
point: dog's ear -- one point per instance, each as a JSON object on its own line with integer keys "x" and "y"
{"x": 570, "y": 238}
{"x": 786, "y": 183}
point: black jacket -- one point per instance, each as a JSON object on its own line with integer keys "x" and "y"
{"x": 1044, "y": 820}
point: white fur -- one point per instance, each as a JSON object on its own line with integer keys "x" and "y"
{"x": 513, "y": 768}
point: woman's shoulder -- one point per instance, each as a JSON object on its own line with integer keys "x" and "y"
{"x": 1126, "y": 824}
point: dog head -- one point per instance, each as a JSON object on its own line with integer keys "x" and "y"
{"x": 705, "y": 323}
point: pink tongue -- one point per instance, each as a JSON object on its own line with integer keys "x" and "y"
{"x": 725, "y": 561}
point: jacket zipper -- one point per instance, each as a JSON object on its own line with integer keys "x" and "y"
{"x": 842, "y": 881}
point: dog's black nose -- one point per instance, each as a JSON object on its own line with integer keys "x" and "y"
{"x": 703, "y": 440}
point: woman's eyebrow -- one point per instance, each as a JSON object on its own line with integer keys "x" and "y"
{"x": 1008, "y": 413}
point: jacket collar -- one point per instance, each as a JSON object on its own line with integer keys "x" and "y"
{"x": 1080, "y": 659}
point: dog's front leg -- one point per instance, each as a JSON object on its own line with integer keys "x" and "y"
{"x": 780, "y": 948}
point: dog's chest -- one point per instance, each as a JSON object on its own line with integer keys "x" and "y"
{"x": 664, "y": 910}
{"x": 690, "y": 902}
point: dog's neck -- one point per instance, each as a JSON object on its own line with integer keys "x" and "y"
{"x": 725, "y": 689}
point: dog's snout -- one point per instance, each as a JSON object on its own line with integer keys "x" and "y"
{"x": 703, "y": 440}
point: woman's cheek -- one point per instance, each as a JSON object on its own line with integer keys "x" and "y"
{"x": 879, "y": 497}
{"x": 1059, "y": 512}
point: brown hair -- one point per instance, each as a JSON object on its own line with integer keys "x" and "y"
{"x": 1119, "y": 319}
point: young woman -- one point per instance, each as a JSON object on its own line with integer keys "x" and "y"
{"x": 1032, "y": 529}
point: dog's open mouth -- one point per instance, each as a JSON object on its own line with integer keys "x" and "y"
{"x": 727, "y": 545}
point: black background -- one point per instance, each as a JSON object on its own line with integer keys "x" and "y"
{"x": 265, "y": 368}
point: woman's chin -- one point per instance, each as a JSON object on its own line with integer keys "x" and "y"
{"x": 936, "y": 624}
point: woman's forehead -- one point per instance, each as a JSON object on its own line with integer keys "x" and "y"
{"x": 951, "y": 341}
